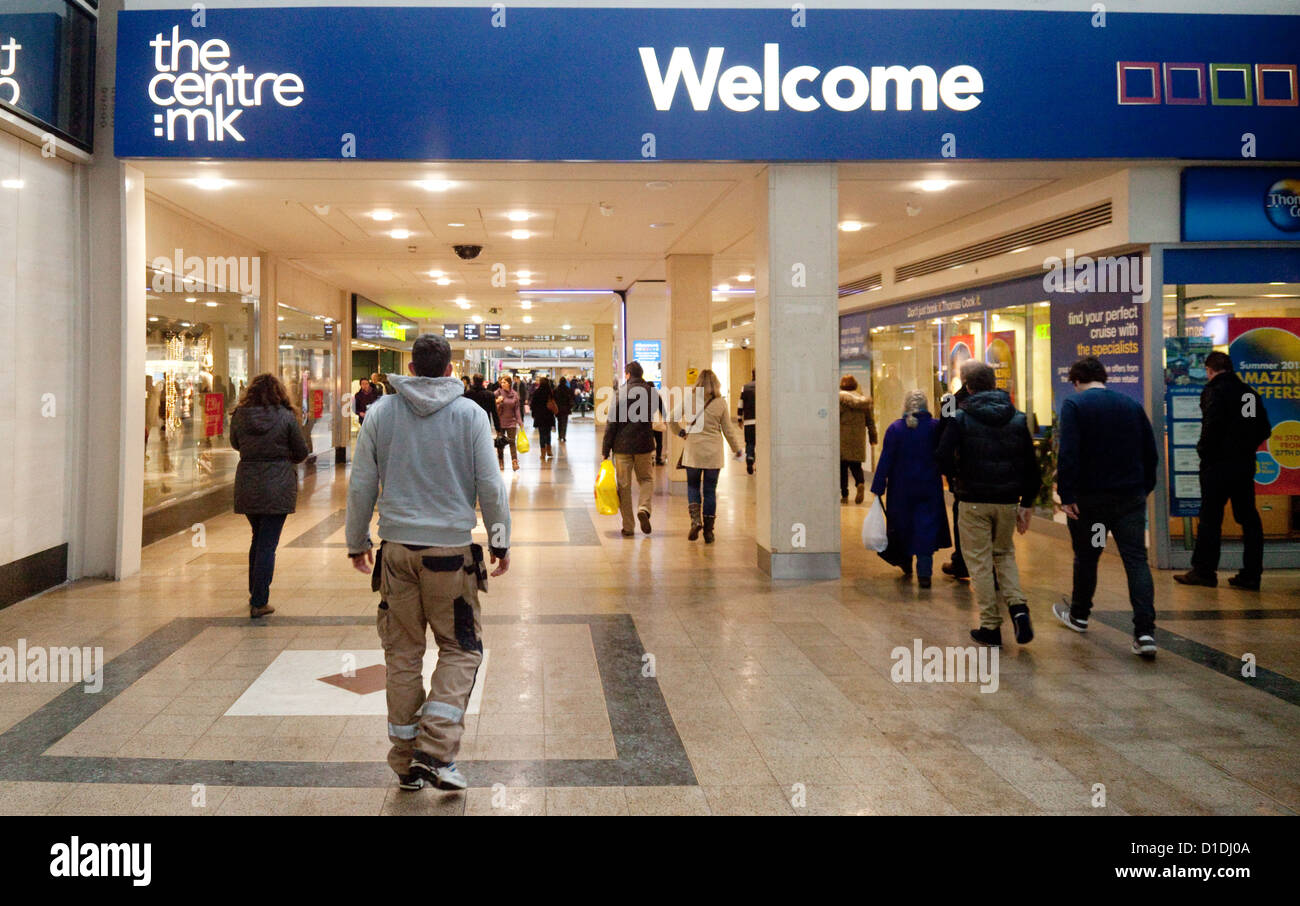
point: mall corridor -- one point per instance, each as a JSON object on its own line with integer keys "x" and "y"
{"x": 648, "y": 675}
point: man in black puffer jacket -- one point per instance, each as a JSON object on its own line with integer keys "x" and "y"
{"x": 988, "y": 447}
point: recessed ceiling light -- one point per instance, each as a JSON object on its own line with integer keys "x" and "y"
{"x": 662, "y": 225}
{"x": 400, "y": 234}
{"x": 505, "y": 327}
{"x": 12, "y": 183}
{"x": 724, "y": 287}
{"x": 477, "y": 319}
{"x": 436, "y": 185}
{"x": 463, "y": 303}
{"x": 382, "y": 214}
{"x": 191, "y": 299}
{"x": 524, "y": 281}
{"x": 153, "y": 317}
{"x": 518, "y": 216}
{"x": 281, "y": 318}
{"x": 528, "y": 319}
{"x": 566, "y": 327}
{"x": 444, "y": 281}
{"x": 455, "y": 224}
{"x": 523, "y": 274}
{"x": 934, "y": 185}
{"x": 210, "y": 304}
{"x": 186, "y": 324}
{"x": 210, "y": 183}
{"x": 850, "y": 226}
{"x": 744, "y": 278}
{"x": 525, "y": 304}
{"x": 519, "y": 234}
{"x": 435, "y": 274}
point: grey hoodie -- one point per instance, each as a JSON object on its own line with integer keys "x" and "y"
{"x": 430, "y": 449}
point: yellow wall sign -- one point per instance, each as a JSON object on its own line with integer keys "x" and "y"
{"x": 392, "y": 330}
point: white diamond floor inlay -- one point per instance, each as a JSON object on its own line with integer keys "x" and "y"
{"x": 291, "y": 686}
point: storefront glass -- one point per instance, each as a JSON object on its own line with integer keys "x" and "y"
{"x": 199, "y": 354}
{"x": 306, "y": 360}
{"x": 1258, "y": 326}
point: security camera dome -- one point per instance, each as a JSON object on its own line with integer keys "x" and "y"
{"x": 467, "y": 252}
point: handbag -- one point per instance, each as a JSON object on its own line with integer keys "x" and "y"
{"x": 692, "y": 425}
{"x": 552, "y": 407}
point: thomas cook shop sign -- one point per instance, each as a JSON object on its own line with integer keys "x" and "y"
{"x": 506, "y": 83}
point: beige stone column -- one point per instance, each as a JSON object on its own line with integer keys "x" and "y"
{"x": 690, "y": 346}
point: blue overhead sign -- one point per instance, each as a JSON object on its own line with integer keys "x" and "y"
{"x": 517, "y": 83}
{"x": 1221, "y": 203}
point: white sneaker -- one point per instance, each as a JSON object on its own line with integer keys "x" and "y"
{"x": 1144, "y": 646}
{"x": 1062, "y": 612}
{"x": 443, "y": 776}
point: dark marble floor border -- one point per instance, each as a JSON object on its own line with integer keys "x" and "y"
{"x": 1265, "y": 680}
{"x": 577, "y": 523}
{"x": 650, "y": 752}
{"x": 34, "y": 574}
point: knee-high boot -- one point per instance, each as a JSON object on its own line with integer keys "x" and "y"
{"x": 708, "y": 529}
{"x": 696, "y": 524}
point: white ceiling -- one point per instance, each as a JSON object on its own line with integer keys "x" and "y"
{"x": 590, "y": 223}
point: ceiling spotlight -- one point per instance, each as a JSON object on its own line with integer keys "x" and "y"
{"x": 850, "y": 226}
{"x": 153, "y": 317}
{"x": 519, "y": 234}
{"x": 455, "y": 224}
{"x": 724, "y": 287}
{"x": 566, "y": 327}
{"x": 525, "y": 304}
{"x": 382, "y": 214}
{"x": 934, "y": 185}
{"x": 281, "y": 318}
{"x": 435, "y": 185}
{"x": 744, "y": 278}
{"x": 435, "y": 274}
{"x": 444, "y": 281}
{"x": 528, "y": 319}
{"x": 463, "y": 303}
{"x": 210, "y": 183}
{"x": 523, "y": 274}
{"x": 518, "y": 216}
{"x": 210, "y": 304}
{"x": 400, "y": 234}
{"x": 191, "y": 299}
{"x": 505, "y": 327}
{"x": 524, "y": 281}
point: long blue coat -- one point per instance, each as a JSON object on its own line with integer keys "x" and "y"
{"x": 907, "y": 475}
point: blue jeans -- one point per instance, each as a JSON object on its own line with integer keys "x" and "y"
{"x": 702, "y": 486}
{"x": 924, "y": 565}
{"x": 261, "y": 557}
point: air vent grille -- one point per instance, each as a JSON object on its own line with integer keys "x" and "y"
{"x": 1098, "y": 215}
{"x": 866, "y": 284}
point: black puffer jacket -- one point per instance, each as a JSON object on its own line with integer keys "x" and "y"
{"x": 1228, "y": 438}
{"x": 988, "y": 447}
{"x": 269, "y": 440}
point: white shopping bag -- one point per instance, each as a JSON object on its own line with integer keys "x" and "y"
{"x": 874, "y": 536}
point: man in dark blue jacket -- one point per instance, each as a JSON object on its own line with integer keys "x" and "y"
{"x": 1105, "y": 468}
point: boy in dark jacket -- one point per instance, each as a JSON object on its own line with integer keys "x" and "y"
{"x": 1229, "y": 440}
{"x": 1105, "y": 468}
{"x": 988, "y": 447}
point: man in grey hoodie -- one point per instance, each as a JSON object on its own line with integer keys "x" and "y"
{"x": 430, "y": 450}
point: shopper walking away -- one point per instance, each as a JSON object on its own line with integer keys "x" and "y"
{"x": 749, "y": 419}
{"x": 952, "y": 404}
{"x": 485, "y": 399}
{"x": 629, "y": 438}
{"x": 857, "y": 425}
{"x": 703, "y": 424}
{"x": 1105, "y": 468}
{"x": 544, "y": 408}
{"x": 908, "y": 485}
{"x": 1229, "y": 439}
{"x": 425, "y": 455}
{"x": 264, "y": 429}
{"x": 510, "y": 418}
{"x": 563, "y": 406}
{"x": 989, "y": 448}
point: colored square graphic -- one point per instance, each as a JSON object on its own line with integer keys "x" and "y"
{"x": 1197, "y": 70}
{"x": 1125, "y": 68}
{"x": 1229, "y": 76}
{"x": 1288, "y": 73}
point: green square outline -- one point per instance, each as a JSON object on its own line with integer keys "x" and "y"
{"x": 1247, "y": 71}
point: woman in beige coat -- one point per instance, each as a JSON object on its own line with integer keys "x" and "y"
{"x": 856, "y": 425}
{"x": 704, "y": 455}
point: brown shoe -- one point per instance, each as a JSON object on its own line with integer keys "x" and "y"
{"x": 862, "y": 493}
{"x": 264, "y": 610}
{"x": 1192, "y": 577}
{"x": 515, "y": 463}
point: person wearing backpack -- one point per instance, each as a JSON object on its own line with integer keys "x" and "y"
{"x": 1229, "y": 439}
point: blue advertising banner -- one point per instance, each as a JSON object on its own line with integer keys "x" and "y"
{"x": 47, "y": 55}
{"x": 515, "y": 83}
{"x": 1110, "y": 326}
{"x": 855, "y": 329}
{"x": 1184, "y": 381}
{"x": 1241, "y": 203}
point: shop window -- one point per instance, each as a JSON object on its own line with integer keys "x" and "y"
{"x": 1258, "y": 325}
{"x": 198, "y": 359}
{"x": 306, "y": 362}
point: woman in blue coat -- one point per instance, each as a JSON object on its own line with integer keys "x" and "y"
{"x": 907, "y": 477}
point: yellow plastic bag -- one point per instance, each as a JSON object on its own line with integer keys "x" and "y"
{"x": 521, "y": 441}
{"x": 606, "y": 489}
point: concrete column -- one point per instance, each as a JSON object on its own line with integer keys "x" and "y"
{"x": 797, "y": 323}
{"x": 342, "y": 375}
{"x": 268, "y": 346}
{"x": 690, "y": 338}
{"x": 602, "y": 366}
{"x": 107, "y": 525}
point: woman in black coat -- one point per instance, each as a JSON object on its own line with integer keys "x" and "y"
{"x": 564, "y": 403}
{"x": 264, "y": 429}
{"x": 540, "y": 403}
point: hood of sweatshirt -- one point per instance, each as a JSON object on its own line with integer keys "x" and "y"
{"x": 259, "y": 419}
{"x": 992, "y": 407}
{"x": 427, "y": 395}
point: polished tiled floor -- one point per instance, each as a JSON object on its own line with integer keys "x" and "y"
{"x": 648, "y": 676}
